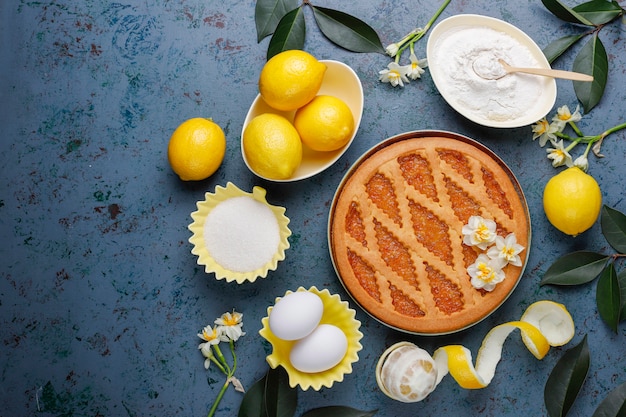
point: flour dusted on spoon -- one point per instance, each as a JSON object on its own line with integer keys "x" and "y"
{"x": 472, "y": 73}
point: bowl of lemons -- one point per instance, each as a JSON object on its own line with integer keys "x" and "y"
{"x": 306, "y": 115}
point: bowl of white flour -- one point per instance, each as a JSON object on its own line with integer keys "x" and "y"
{"x": 463, "y": 53}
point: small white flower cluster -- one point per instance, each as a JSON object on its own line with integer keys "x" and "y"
{"x": 397, "y": 74}
{"x": 487, "y": 271}
{"x": 228, "y": 327}
{"x": 550, "y": 131}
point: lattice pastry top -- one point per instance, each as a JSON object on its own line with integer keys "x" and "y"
{"x": 395, "y": 231}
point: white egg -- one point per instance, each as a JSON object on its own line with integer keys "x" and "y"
{"x": 296, "y": 315}
{"x": 324, "y": 348}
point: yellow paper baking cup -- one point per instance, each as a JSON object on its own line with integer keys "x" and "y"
{"x": 198, "y": 238}
{"x": 337, "y": 313}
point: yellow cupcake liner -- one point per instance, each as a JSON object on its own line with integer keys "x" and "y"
{"x": 199, "y": 245}
{"x": 336, "y": 312}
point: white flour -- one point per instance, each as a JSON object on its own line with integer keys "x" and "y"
{"x": 468, "y": 50}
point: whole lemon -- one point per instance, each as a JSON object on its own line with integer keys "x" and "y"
{"x": 291, "y": 79}
{"x": 272, "y": 146}
{"x": 326, "y": 123}
{"x": 196, "y": 149}
{"x": 572, "y": 201}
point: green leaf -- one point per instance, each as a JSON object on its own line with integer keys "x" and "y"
{"x": 613, "y": 225}
{"x": 591, "y": 59}
{"x": 280, "y": 399}
{"x": 599, "y": 12}
{"x": 289, "y": 33}
{"x": 338, "y": 411}
{"x": 253, "y": 402}
{"x": 565, "y": 13}
{"x": 608, "y": 297}
{"x": 556, "y": 48}
{"x": 621, "y": 282}
{"x": 347, "y": 31}
{"x": 575, "y": 268}
{"x": 566, "y": 379}
{"x": 614, "y": 404}
{"x": 268, "y": 13}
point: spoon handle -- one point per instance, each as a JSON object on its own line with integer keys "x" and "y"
{"x": 567, "y": 75}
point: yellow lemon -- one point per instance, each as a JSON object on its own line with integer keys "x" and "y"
{"x": 326, "y": 123}
{"x": 572, "y": 201}
{"x": 196, "y": 149}
{"x": 272, "y": 146}
{"x": 291, "y": 79}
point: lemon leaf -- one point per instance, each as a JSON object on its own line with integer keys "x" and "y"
{"x": 347, "y": 31}
{"x": 289, "y": 33}
{"x": 614, "y": 404}
{"x": 575, "y": 268}
{"x": 566, "y": 379}
{"x": 591, "y": 59}
{"x": 556, "y": 48}
{"x": 270, "y": 396}
{"x": 608, "y": 297}
{"x": 280, "y": 399}
{"x": 338, "y": 411}
{"x": 599, "y": 12}
{"x": 267, "y": 14}
{"x": 253, "y": 402}
{"x": 621, "y": 282}
{"x": 565, "y": 13}
{"x": 613, "y": 225}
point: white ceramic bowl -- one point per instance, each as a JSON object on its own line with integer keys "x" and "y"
{"x": 340, "y": 81}
{"x": 536, "y": 92}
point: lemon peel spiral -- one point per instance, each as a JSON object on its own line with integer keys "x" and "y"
{"x": 544, "y": 324}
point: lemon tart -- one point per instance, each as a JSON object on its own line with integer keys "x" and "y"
{"x": 395, "y": 230}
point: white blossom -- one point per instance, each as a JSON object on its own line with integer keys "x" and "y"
{"x": 507, "y": 249}
{"x": 392, "y": 49}
{"x": 545, "y": 131}
{"x": 582, "y": 162}
{"x": 486, "y": 272}
{"x": 230, "y": 325}
{"x": 211, "y": 335}
{"x": 416, "y": 67}
{"x": 394, "y": 74}
{"x": 207, "y": 352}
{"x": 479, "y": 232}
{"x": 559, "y": 155}
{"x": 564, "y": 116}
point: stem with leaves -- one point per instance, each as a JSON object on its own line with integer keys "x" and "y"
{"x": 592, "y": 57}
{"x": 415, "y": 35}
{"x": 582, "y": 267}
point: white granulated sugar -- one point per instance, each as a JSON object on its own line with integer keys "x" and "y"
{"x": 468, "y": 50}
{"x": 241, "y": 234}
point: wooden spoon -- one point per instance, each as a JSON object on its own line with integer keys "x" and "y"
{"x": 567, "y": 75}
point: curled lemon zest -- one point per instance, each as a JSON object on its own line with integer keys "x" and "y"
{"x": 544, "y": 324}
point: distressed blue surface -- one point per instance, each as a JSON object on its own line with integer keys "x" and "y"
{"x": 100, "y": 297}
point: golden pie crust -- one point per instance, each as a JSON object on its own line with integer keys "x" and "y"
{"x": 395, "y": 230}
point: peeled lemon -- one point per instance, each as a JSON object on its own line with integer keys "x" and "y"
{"x": 272, "y": 146}
{"x": 196, "y": 149}
{"x": 572, "y": 201}
{"x": 326, "y": 123}
{"x": 406, "y": 373}
{"x": 291, "y": 79}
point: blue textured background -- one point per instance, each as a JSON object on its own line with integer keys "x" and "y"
{"x": 100, "y": 297}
